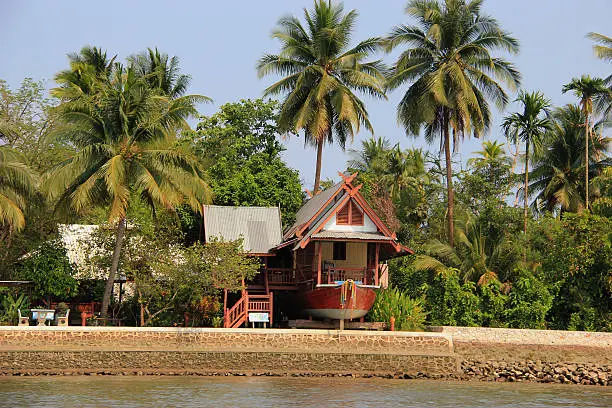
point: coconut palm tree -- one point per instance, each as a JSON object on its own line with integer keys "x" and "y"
{"x": 452, "y": 74}
{"x": 371, "y": 157}
{"x": 557, "y": 169}
{"x": 16, "y": 185}
{"x": 320, "y": 74}
{"x": 160, "y": 72}
{"x": 492, "y": 152}
{"x": 530, "y": 126}
{"x": 124, "y": 131}
{"x": 589, "y": 90}
{"x": 475, "y": 256}
{"x": 89, "y": 68}
{"x": 603, "y": 50}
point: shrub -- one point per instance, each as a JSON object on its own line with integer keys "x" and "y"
{"x": 10, "y": 307}
{"x": 529, "y": 302}
{"x": 408, "y": 313}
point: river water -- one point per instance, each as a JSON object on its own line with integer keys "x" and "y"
{"x": 260, "y": 392}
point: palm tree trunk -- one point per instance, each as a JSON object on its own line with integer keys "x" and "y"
{"x": 586, "y": 162}
{"x": 526, "y": 196}
{"x": 114, "y": 266}
{"x": 317, "y": 181}
{"x": 449, "y": 185}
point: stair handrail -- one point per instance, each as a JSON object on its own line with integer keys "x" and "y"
{"x": 237, "y": 312}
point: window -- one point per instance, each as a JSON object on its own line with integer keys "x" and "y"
{"x": 342, "y": 217}
{"x": 350, "y": 214}
{"x": 339, "y": 251}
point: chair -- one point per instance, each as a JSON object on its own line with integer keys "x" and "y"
{"x": 23, "y": 320}
{"x": 63, "y": 320}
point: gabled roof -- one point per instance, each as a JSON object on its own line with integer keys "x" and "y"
{"x": 259, "y": 227}
{"x": 314, "y": 215}
{"x": 311, "y": 209}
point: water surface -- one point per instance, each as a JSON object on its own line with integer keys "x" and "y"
{"x": 260, "y": 392}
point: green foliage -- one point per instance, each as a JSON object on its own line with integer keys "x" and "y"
{"x": 320, "y": 72}
{"x": 408, "y": 313}
{"x": 576, "y": 255}
{"x": 50, "y": 270}
{"x": 239, "y": 146}
{"x": 28, "y": 125}
{"x": 529, "y": 302}
{"x": 221, "y": 264}
{"x": 10, "y": 305}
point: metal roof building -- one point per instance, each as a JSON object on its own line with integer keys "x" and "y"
{"x": 259, "y": 227}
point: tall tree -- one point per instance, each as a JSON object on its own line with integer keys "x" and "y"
{"x": 321, "y": 71}
{"x": 589, "y": 90}
{"x": 16, "y": 185}
{"x": 240, "y": 148}
{"x": 160, "y": 72}
{"x": 492, "y": 152}
{"x": 557, "y": 168}
{"x": 452, "y": 74}
{"x": 125, "y": 131}
{"x": 530, "y": 126}
{"x": 603, "y": 50}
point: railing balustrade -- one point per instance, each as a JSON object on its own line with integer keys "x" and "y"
{"x": 281, "y": 276}
{"x": 363, "y": 275}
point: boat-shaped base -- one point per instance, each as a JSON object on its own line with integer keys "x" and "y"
{"x": 339, "y": 302}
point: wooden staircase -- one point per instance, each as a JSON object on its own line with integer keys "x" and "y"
{"x": 248, "y": 302}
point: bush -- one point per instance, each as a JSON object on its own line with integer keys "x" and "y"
{"x": 50, "y": 270}
{"x": 408, "y": 313}
{"x": 529, "y": 302}
{"x": 10, "y": 306}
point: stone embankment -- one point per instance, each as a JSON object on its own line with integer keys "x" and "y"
{"x": 546, "y": 356}
{"x": 536, "y": 371}
{"x": 445, "y": 352}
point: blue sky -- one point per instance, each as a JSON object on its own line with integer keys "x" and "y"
{"x": 219, "y": 42}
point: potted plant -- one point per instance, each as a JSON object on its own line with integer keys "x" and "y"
{"x": 61, "y": 314}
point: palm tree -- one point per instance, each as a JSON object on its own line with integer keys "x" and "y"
{"x": 589, "y": 90}
{"x": 125, "y": 131}
{"x": 371, "y": 157}
{"x": 476, "y": 258}
{"x": 452, "y": 74}
{"x": 320, "y": 74}
{"x": 492, "y": 152}
{"x": 530, "y": 126}
{"x": 557, "y": 168}
{"x": 604, "y": 49}
{"x": 88, "y": 69}
{"x": 16, "y": 185}
{"x": 160, "y": 72}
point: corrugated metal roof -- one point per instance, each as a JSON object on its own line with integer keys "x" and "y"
{"x": 351, "y": 235}
{"x": 310, "y": 208}
{"x": 260, "y": 227}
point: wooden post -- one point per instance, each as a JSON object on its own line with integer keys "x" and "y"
{"x": 319, "y": 247}
{"x": 266, "y": 274}
{"x": 341, "y": 324}
{"x": 224, "y": 299}
{"x": 271, "y": 308}
{"x": 376, "y": 265}
{"x": 392, "y": 323}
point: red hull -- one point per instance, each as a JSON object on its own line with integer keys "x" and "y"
{"x": 326, "y": 302}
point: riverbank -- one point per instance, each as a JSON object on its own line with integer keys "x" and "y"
{"x": 501, "y": 355}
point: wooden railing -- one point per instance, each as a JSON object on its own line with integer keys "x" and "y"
{"x": 259, "y": 303}
{"x": 363, "y": 275}
{"x": 235, "y": 316}
{"x": 281, "y": 276}
{"x": 238, "y": 314}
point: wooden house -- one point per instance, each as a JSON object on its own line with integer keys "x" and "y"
{"x": 327, "y": 264}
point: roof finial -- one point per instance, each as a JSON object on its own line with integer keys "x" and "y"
{"x": 347, "y": 179}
